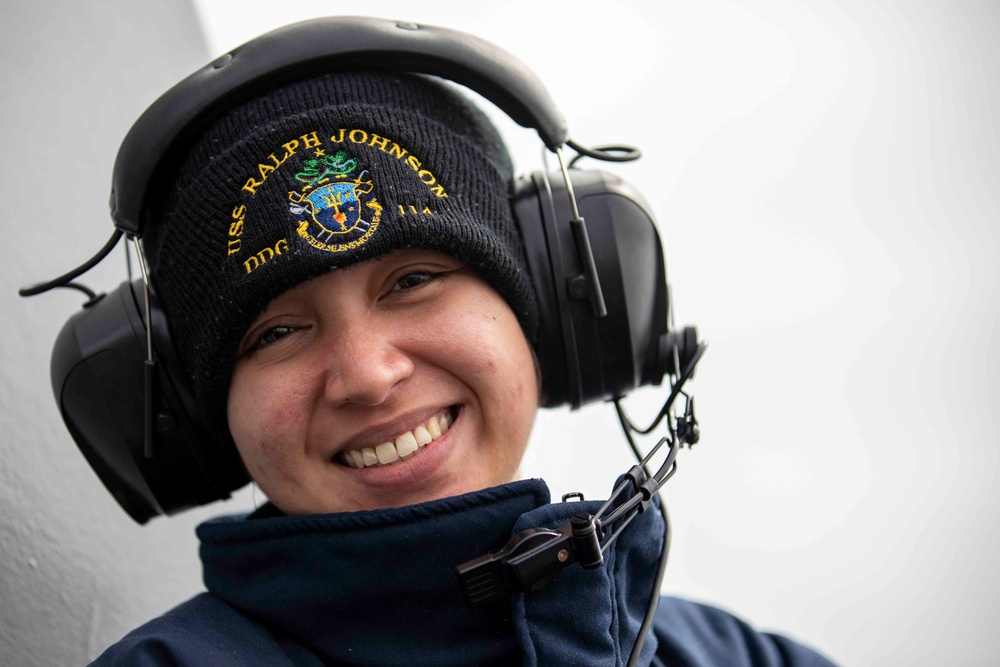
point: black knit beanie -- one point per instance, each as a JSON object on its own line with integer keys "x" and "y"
{"x": 317, "y": 175}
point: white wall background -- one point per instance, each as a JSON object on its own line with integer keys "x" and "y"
{"x": 826, "y": 178}
{"x": 75, "y": 572}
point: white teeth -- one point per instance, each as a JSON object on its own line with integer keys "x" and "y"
{"x": 421, "y": 435}
{"x": 387, "y": 453}
{"x": 404, "y": 447}
{"x": 356, "y": 458}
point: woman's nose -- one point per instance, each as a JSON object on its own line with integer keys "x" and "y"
{"x": 363, "y": 366}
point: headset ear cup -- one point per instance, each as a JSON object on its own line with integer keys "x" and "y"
{"x": 555, "y": 344}
{"x": 97, "y": 376}
{"x": 585, "y": 358}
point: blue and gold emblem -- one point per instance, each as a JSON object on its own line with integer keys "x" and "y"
{"x": 336, "y": 209}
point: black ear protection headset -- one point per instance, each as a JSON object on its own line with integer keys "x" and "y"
{"x": 592, "y": 247}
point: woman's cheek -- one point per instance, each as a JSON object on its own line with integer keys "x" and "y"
{"x": 260, "y": 413}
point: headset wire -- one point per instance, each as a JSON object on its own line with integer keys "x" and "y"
{"x": 666, "y": 471}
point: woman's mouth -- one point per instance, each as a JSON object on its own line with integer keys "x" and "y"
{"x": 404, "y": 446}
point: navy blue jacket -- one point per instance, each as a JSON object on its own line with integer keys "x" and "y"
{"x": 379, "y": 588}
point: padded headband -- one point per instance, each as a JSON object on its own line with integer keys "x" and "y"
{"x": 310, "y": 47}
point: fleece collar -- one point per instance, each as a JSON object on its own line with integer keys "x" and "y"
{"x": 379, "y": 587}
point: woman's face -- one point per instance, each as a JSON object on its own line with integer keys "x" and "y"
{"x": 391, "y": 382}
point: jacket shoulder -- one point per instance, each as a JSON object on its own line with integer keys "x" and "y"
{"x": 202, "y": 631}
{"x": 697, "y": 635}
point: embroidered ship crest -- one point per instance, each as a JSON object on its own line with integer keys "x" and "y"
{"x": 336, "y": 210}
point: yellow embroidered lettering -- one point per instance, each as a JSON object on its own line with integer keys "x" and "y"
{"x": 397, "y": 151}
{"x": 378, "y": 142}
{"x": 251, "y": 186}
{"x": 384, "y": 144}
{"x": 236, "y": 228}
{"x": 265, "y": 255}
{"x": 410, "y": 209}
{"x": 264, "y": 169}
{"x": 310, "y": 140}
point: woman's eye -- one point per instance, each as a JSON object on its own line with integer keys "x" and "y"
{"x": 411, "y": 280}
{"x": 269, "y": 336}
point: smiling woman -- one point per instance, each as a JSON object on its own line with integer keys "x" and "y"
{"x": 367, "y": 325}
{"x": 392, "y": 382}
